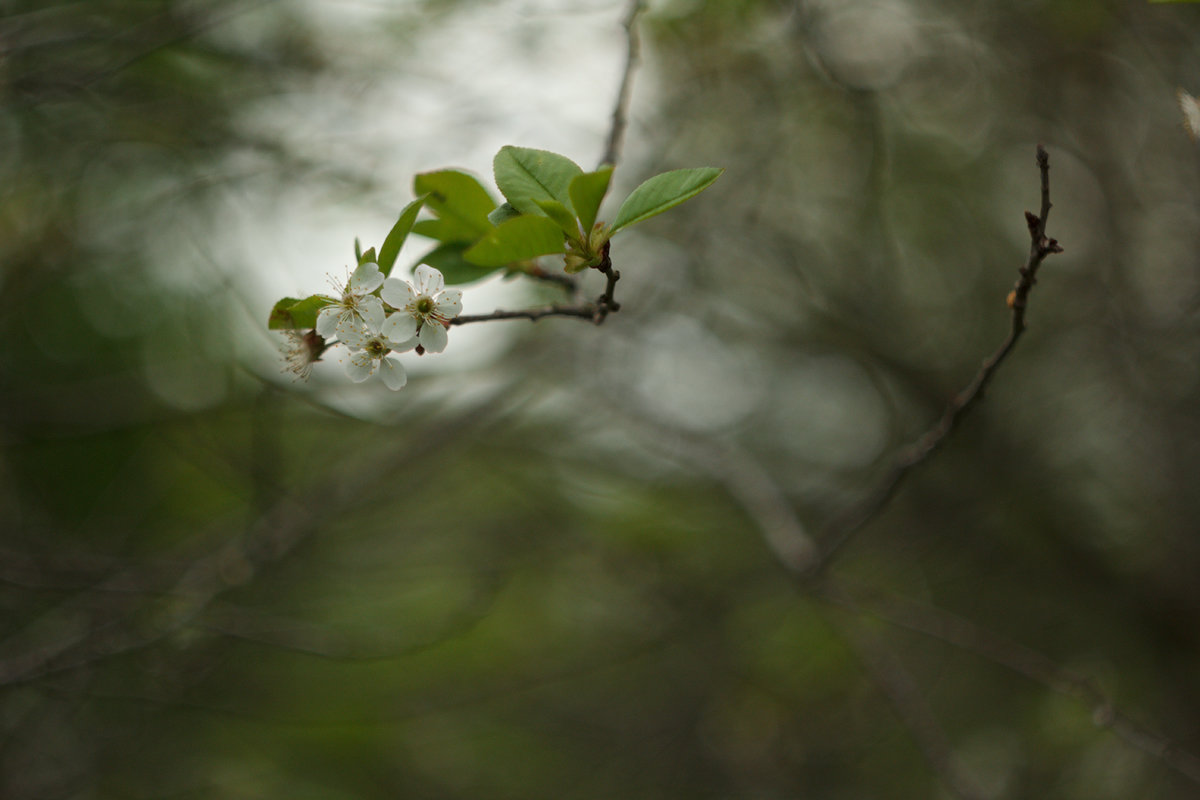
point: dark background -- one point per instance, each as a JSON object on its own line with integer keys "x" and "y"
{"x": 547, "y": 567}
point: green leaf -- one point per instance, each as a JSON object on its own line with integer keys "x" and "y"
{"x": 663, "y": 192}
{"x": 368, "y": 256}
{"x": 561, "y": 217}
{"x": 448, "y": 259}
{"x": 526, "y": 176}
{"x": 396, "y": 236}
{"x": 292, "y": 314}
{"x": 518, "y": 239}
{"x": 357, "y": 250}
{"x": 443, "y": 230}
{"x": 460, "y": 202}
{"x": 587, "y": 191}
{"x": 503, "y": 213}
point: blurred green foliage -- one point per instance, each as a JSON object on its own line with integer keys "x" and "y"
{"x": 543, "y": 575}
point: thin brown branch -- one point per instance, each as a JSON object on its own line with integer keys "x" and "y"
{"x": 586, "y": 311}
{"x": 607, "y": 302}
{"x": 919, "y": 451}
{"x": 557, "y": 278}
{"x": 963, "y": 634}
{"x": 620, "y": 114}
{"x": 596, "y": 311}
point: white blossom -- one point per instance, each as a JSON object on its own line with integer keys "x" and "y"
{"x": 1191, "y": 114}
{"x": 357, "y": 306}
{"x": 423, "y": 309}
{"x": 370, "y": 351}
{"x": 301, "y": 351}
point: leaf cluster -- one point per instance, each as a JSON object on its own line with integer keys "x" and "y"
{"x": 551, "y": 207}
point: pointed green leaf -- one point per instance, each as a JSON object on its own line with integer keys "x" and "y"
{"x": 587, "y": 191}
{"x": 357, "y": 250}
{"x": 503, "y": 213}
{"x": 292, "y": 314}
{"x": 443, "y": 230}
{"x": 460, "y": 202}
{"x": 561, "y": 217}
{"x": 396, "y": 236}
{"x": 368, "y": 256}
{"x": 448, "y": 259}
{"x": 663, "y": 192}
{"x": 525, "y": 176}
{"x": 518, "y": 239}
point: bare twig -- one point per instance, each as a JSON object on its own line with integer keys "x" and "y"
{"x": 557, "y": 278}
{"x": 606, "y": 302}
{"x": 620, "y": 114}
{"x": 595, "y": 311}
{"x": 916, "y": 453}
{"x": 586, "y": 311}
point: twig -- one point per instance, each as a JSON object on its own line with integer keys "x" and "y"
{"x": 560, "y": 279}
{"x": 595, "y": 311}
{"x": 606, "y": 302}
{"x": 916, "y": 453}
{"x": 620, "y": 114}
{"x": 533, "y": 314}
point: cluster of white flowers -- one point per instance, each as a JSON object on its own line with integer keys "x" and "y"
{"x": 401, "y": 317}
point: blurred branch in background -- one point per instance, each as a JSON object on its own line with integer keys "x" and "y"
{"x": 620, "y": 113}
{"x": 908, "y": 700}
{"x": 929, "y": 621}
{"x": 173, "y": 596}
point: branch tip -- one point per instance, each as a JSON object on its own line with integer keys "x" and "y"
{"x": 909, "y": 457}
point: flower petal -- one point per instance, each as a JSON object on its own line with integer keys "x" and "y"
{"x": 399, "y": 327}
{"x": 370, "y": 308}
{"x": 393, "y": 374}
{"x": 350, "y": 332}
{"x": 429, "y": 280}
{"x": 405, "y": 346}
{"x": 366, "y": 279}
{"x": 397, "y": 293}
{"x": 327, "y": 320}
{"x": 360, "y": 366}
{"x": 433, "y": 336}
{"x": 449, "y": 303}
